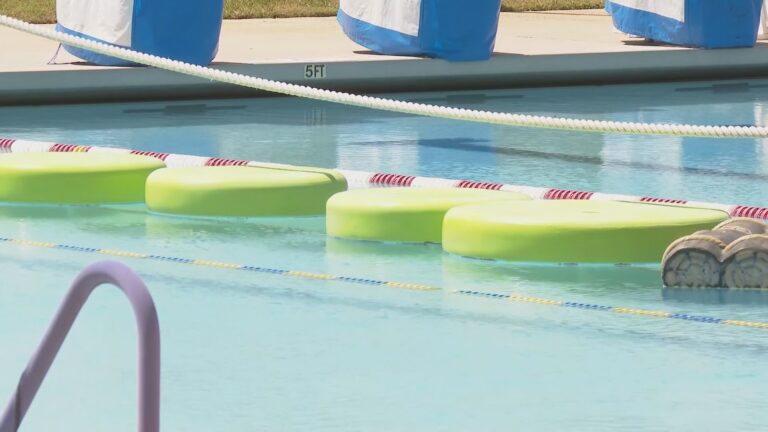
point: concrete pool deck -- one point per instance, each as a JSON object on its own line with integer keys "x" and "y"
{"x": 545, "y": 48}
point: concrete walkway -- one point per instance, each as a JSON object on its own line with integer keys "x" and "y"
{"x": 532, "y": 49}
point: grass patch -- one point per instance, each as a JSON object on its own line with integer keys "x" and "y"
{"x": 235, "y": 9}
{"x": 34, "y": 11}
{"x": 542, "y": 5}
{"x": 44, "y": 11}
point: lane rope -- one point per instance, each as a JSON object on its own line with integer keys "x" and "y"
{"x": 364, "y": 179}
{"x": 388, "y": 284}
{"x": 508, "y": 119}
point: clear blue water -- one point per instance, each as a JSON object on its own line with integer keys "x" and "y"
{"x": 248, "y": 352}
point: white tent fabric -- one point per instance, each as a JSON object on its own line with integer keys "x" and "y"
{"x": 402, "y": 16}
{"x": 105, "y": 20}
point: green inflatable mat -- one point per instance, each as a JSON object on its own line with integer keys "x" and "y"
{"x": 74, "y": 178}
{"x": 242, "y": 191}
{"x": 571, "y": 231}
{"x": 401, "y": 214}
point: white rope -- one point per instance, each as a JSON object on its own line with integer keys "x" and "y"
{"x": 507, "y": 119}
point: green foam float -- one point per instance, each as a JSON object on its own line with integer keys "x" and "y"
{"x": 571, "y": 231}
{"x": 74, "y": 178}
{"x": 242, "y": 191}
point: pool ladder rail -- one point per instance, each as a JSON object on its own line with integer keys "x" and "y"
{"x": 93, "y": 276}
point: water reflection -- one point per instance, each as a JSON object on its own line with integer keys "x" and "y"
{"x": 718, "y": 296}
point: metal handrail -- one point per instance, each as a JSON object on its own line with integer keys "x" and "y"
{"x": 103, "y": 272}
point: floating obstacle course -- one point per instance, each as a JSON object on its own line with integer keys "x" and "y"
{"x": 363, "y": 179}
{"x": 200, "y": 186}
{"x": 733, "y": 255}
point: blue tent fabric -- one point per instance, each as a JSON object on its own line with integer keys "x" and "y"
{"x": 703, "y": 23}
{"x": 184, "y": 30}
{"x": 453, "y": 30}
{"x": 90, "y": 56}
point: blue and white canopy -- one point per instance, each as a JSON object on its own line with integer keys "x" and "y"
{"x": 449, "y": 29}
{"x": 698, "y": 23}
{"x": 186, "y": 30}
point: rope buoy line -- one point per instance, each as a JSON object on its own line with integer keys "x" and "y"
{"x": 217, "y": 264}
{"x": 388, "y": 284}
{"x": 509, "y": 119}
{"x": 364, "y": 179}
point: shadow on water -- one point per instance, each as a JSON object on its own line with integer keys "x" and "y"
{"x": 718, "y": 296}
{"x": 135, "y": 221}
{"x": 70, "y": 212}
{"x": 467, "y": 273}
{"x": 581, "y": 279}
{"x": 378, "y": 249}
{"x": 181, "y": 227}
{"x": 163, "y": 114}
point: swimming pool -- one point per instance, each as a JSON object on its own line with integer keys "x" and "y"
{"x": 251, "y": 352}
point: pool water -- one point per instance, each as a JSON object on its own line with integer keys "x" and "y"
{"x": 244, "y": 351}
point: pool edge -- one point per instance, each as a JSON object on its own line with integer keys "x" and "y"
{"x": 373, "y": 76}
